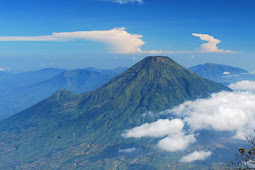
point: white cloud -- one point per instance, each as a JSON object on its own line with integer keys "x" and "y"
{"x": 148, "y": 114}
{"x": 243, "y": 86}
{"x": 127, "y": 1}
{"x": 244, "y": 131}
{"x": 195, "y": 156}
{"x": 127, "y": 150}
{"x": 176, "y": 142}
{"x": 176, "y": 139}
{"x": 5, "y": 68}
{"x": 119, "y": 39}
{"x": 160, "y": 128}
{"x": 224, "y": 111}
{"x": 226, "y": 73}
{"x": 211, "y": 45}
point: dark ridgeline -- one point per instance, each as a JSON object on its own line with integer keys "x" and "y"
{"x": 70, "y": 131}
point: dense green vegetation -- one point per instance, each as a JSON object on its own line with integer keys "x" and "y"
{"x": 84, "y": 131}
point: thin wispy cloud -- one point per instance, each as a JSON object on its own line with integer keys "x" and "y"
{"x": 211, "y": 45}
{"x": 127, "y": 150}
{"x": 128, "y": 1}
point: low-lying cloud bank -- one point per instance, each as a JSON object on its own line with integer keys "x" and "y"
{"x": 160, "y": 128}
{"x": 196, "y": 156}
{"x": 223, "y": 111}
{"x": 175, "y": 138}
{"x": 243, "y": 86}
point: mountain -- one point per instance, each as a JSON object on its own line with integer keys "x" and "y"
{"x": 68, "y": 131}
{"x": 221, "y": 73}
{"x": 28, "y": 78}
{"x": 79, "y": 81}
{"x": 10, "y": 85}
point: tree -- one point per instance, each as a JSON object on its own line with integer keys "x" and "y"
{"x": 245, "y": 159}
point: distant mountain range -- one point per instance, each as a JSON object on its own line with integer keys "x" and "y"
{"x": 10, "y": 81}
{"x": 222, "y": 73}
{"x": 20, "y": 91}
{"x": 68, "y": 131}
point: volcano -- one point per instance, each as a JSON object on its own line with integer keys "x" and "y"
{"x": 84, "y": 131}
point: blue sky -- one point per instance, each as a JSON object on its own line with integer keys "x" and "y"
{"x": 165, "y": 25}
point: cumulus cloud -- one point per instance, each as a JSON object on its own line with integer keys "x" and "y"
{"x": 119, "y": 39}
{"x": 127, "y": 150}
{"x": 176, "y": 142}
{"x": 175, "y": 139}
{"x": 127, "y": 1}
{"x": 2, "y": 69}
{"x": 211, "y": 45}
{"x": 224, "y": 111}
{"x": 243, "y": 86}
{"x": 160, "y": 128}
{"x": 195, "y": 156}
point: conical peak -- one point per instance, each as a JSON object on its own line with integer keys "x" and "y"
{"x": 155, "y": 63}
{"x": 157, "y": 59}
